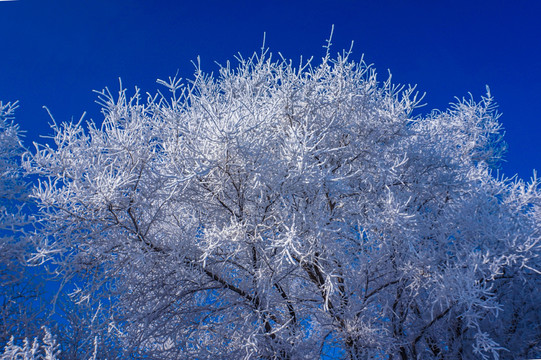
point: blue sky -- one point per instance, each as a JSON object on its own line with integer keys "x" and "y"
{"x": 56, "y": 52}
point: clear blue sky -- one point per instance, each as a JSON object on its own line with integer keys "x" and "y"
{"x": 56, "y": 52}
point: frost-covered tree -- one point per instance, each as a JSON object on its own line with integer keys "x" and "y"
{"x": 19, "y": 302}
{"x": 281, "y": 212}
{"x": 48, "y": 350}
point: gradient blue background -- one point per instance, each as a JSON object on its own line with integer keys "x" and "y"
{"x": 56, "y": 52}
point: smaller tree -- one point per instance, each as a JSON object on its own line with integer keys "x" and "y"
{"x": 19, "y": 292}
{"x": 48, "y": 350}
